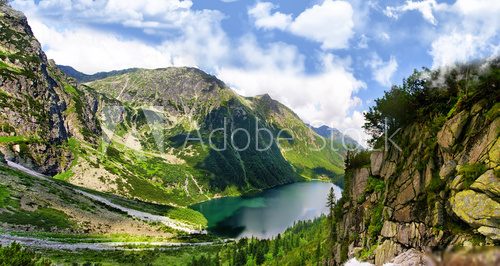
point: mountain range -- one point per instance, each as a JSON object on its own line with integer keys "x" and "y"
{"x": 144, "y": 134}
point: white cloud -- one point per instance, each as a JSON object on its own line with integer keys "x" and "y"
{"x": 329, "y": 23}
{"x": 458, "y": 47}
{"x": 261, "y": 13}
{"x": 106, "y": 52}
{"x": 471, "y": 31}
{"x": 383, "y": 71}
{"x": 425, "y": 7}
{"x": 91, "y": 50}
{"x": 327, "y": 97}
{"x": 142, "y": 14}
{"x": 468, "y": 29}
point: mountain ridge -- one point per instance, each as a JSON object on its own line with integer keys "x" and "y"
{"x": 131, "y": 132}
{"x": 83, "y": 78}
{"x": 335, "y": 134}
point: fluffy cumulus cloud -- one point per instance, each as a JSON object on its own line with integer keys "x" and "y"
{"x": 383, "y": 71}
{"x": 142, "y": 14}
{"x": 91, "y": 51}
{"x": 75, "y": 42}
{"x": 261, "y": 13}
{"x": 472, "y": 31}
{"x": 329, "y": 23}
{"x": 468, "y": 29}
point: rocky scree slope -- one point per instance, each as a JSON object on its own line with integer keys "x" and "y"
{"x": 440, "y": 192}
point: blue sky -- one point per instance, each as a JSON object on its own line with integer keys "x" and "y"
{"x": 325, "y": 59}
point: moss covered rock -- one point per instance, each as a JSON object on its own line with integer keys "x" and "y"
{"x": 494, "y": 153}
{"x": 386, "y": 252}
{"x": 452, "y": 129}
{"x": 476, "y": 209}
{"x": 488, "y": 183}
{"x": 491, "y": 232}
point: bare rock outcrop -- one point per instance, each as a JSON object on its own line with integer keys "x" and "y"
{"x": 441, "y": 192}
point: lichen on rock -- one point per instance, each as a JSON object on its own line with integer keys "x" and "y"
{"x": 476, "y": 209}
{"x": 488, "y": 183}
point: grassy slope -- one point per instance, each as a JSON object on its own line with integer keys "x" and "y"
{"x": 144, "y": 174}
{"x": 222, "y": 173}
{"x": 51, "y": 198}
{"x": 43, "y": 218}
{"x": 311, "y": 155}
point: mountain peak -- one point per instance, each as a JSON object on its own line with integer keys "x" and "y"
{"x": 265, "y": 97}
{"x": 160, "y": 86}
{"x": 334, "y": 134}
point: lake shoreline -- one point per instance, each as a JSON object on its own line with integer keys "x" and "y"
{"x": 267, "y": 213}
{"x": 257, "y": 191}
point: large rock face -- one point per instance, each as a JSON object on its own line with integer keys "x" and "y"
{"x": 360, "y": 178}
{"x": 441, "y": 192}
{"x": 376, "y": 159}
{"x": 387, "y": 251}
{"x": 39, "y": 109}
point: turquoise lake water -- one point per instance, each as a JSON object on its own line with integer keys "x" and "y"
{"x": 266, "y": 214}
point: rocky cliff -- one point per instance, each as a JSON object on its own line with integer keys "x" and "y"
{"x": 438, "y": 191}
{"x": 38, "y": 108}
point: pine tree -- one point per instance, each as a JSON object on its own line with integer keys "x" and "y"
{"x": 331, "y": 201}
{"x": 259, "y": 257}
{"x": 276, "y": 247}
{"x": 241, "y": 258}
{"x": 217, "y": 259}
{"x": 318, "y": 252}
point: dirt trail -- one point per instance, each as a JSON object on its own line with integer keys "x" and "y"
{"x": 109, "y": 246}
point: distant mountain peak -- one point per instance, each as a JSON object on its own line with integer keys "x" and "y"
{"x": 335, "y": 134}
